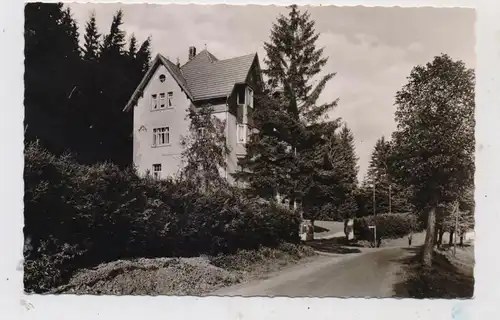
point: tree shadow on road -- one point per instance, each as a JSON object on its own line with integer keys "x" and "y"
{"x": 443, "y": 280}
{"x": 334, "y": 245}
{"x": 318, "y": 229}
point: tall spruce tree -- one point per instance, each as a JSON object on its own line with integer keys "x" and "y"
{"x": 143, "y": 56}
{"x": 292, "y": 63}
{"x": 114, "y": 42}
{"x": 92, "y": 39}
{"x": 51, "y": 50}
{"x": 347, "y": 175}
{"x": 321, "y": 189}
{"x": 132, "y": 46}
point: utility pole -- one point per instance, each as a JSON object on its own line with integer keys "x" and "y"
{"x": 389, "y": 198}
{"x": 295, "y": 188}
{"x": 374, "y": 211}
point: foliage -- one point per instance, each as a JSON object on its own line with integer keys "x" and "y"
{"x": 389, "y": 226}
{"x": 380, "y": 175}
{"x": 205, "y": 150}
{"x": 332, "y": 177}
{"x": 71, "y": 210}
{"x": 460, "y": 213}
{"x": 92, "y": 39}
{"x": 80, "y": 108}
{"x": 287, "y": 113}
{"x": 434, "y": 141}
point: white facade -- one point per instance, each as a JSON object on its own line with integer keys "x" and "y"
{"x": 161, "y": 120}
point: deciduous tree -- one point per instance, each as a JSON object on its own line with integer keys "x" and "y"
{"x": 205, "y": 150}
{"x": 434, "y": 140}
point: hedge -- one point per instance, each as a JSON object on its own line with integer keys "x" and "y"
{"x": 389, "y": 225}
{"x": 78, "y": 216}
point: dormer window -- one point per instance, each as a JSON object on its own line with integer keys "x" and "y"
{"x": 241, "y": 96}
{"x": 245, "y": 96}
{"x": 162, "y": 78}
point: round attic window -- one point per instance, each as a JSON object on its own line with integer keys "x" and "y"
{"x": 162, "y": 78}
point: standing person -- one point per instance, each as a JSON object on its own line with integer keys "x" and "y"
{"x": 409, "y": 238}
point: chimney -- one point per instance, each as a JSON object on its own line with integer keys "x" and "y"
{"x": 192, "y": 52}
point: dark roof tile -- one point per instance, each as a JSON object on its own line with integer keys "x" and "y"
{"x": 207, "y": 77}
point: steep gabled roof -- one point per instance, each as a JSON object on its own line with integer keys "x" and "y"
{"x": 203, "y": 77}
{"x": 172, "y": 69}
{"x": 207, "y": 77}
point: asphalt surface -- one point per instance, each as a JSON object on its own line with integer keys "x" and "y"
{"x": 371, "y": 273}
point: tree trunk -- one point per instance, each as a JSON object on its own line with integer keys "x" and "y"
{"x": 450, "y": 241}
{"x": 429, "y": 237}
{"x": 461, "y": 240}
{"x": 440, "y": 238}
{"x": 435, "y": 238}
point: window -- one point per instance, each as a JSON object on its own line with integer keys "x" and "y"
{"x": 154, "y": 101}
{"x": 250, "y": 98}
{"x": 157, "y": 171}
{"x": 241, "y": 95}
{"x": 162, "y": 100}
{"x": 162, "y": 78}
{"x": 201, "y": 133}
{"x": 170, "y": 98}
{"x": 241, "y": 133}
{"x": 161, "y": 136}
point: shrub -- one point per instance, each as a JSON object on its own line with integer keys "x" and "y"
{"x": 389, "y": 226}
{"x": 103, "y": 214}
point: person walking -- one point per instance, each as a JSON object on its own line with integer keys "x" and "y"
{"x": 410, "y": 235}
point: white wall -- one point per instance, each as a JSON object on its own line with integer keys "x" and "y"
{"x": 145, "y": 155}
{"x": 170, "y": 157}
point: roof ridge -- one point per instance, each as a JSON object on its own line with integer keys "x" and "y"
{"x": 237, "y": 57}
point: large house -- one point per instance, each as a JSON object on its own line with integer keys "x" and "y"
{"x": 161, "y": 101}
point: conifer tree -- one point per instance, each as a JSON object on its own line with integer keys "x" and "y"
{"x": 92, "y": 40}
{"x": 132, "y": 46}
{"x": 143, "y": 56}
{"x": 348, "y": 175}
{"x": 114, "y": 42}
{"x": 291, "y": 105}
{"x": 51, "y": 50}
{"x": 390, "y": 196}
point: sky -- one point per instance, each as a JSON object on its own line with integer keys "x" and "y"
{"x": 372, "y": 50}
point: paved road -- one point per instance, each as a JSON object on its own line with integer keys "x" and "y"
{"x": 371, "y": 273}
{"x": 329, "y": 229}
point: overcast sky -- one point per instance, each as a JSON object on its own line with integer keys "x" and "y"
{"x": 372, "y": 50}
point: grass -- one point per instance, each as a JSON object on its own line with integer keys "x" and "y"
{"x": 450, "y": 277}
{"x": 182, "y": 276}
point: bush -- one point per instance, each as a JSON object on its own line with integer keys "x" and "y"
{"x": 389, "y": 226}
{"x": 78, "y": 216}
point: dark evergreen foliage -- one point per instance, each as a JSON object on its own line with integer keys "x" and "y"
{"x": 290, "y": 134}
{"x": 80, "y": 108}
